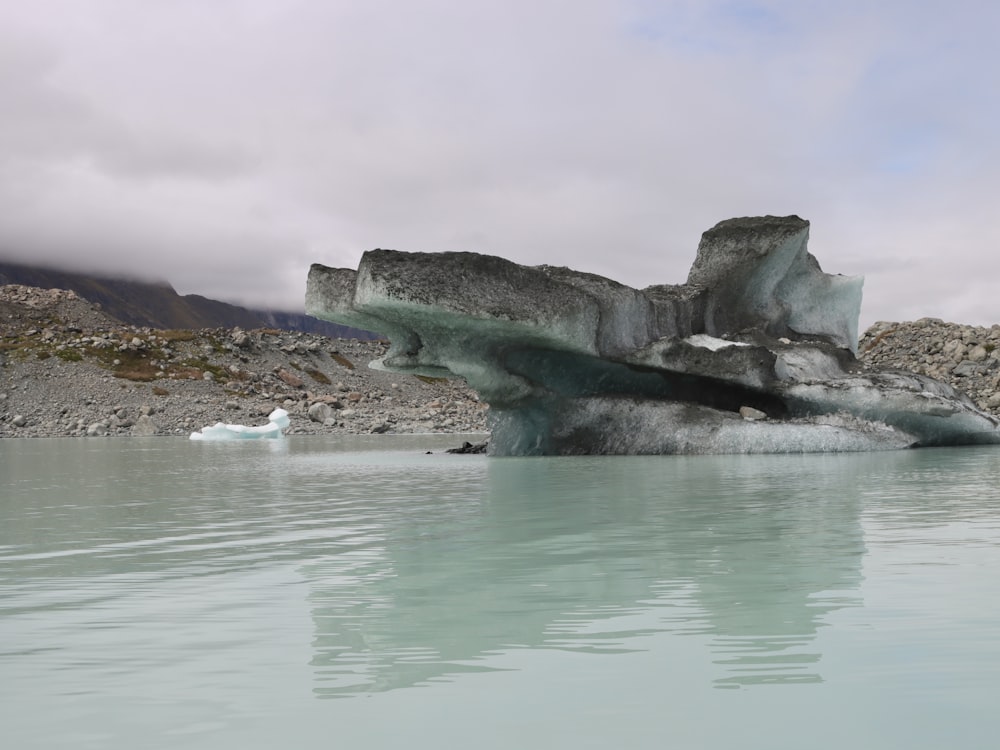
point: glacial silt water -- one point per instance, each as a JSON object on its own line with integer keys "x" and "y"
{"x": 363, "y": 593}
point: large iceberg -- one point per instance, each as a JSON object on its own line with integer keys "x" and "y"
{"x": 277, "y": 422}
{"x": 755, "y": 353}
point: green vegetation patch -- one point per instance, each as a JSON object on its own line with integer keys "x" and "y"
{"x": 69, "y": 355}
{"x": 318, "y": 376}
{"x": 135, "y": 366}
{"x": 177, "y": 334}
{"x": 19, "y": 348}
{"x": 185, "y": 372}
{"x": 201, "y": 365}
{"x": 340, "y": 359}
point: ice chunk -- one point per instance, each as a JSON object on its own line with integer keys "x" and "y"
{"x": 758, "y": 273}
{"x": 275, "y": 428}
{"x": 629, "y": 426}
{"x": 711, "y": 343}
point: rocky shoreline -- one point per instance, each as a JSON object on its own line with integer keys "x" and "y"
{"x": 964, "y": 356}
{"x": 66, "y": 369}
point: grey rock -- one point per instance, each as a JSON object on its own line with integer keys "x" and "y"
{"x": 320, "y": 412}
{"x": 144, "y": 427}
{"x": 241, "y": 338}
{"x": 19, "y": 420}
{"x": 290, "y": 378}
{"x": 748, "y": 412}
{"x": 469, "y": 448}
{"x": 965, "y": 368}
{"x": 97, "y": 429}
{"x": 978, "y": 353}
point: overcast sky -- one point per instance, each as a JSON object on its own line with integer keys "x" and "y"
{"x": 224, "y": 145}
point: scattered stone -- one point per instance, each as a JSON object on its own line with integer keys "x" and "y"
{"x": 320, "y": 412}
{"x": 965, "y": 368}
{"x": 144, "y": 427}
{"x": 241, "y": 338}
{"x": 67, "y": 395}
{"x": 930, "y": 346}
{"x": 290, "y": 378}
{"x": 468, "y": 447}
{"x": 978, "y": 353}
{"x": 748, "y": 412}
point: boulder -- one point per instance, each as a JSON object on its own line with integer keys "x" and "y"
{"x": 290, "y": 378}
{"x": 320, "y": 412}
{"x": 575, "y": 363}
{"x": 748, "y": 412}
{"x": 144, "y": 426}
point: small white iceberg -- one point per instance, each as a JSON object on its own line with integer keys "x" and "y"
{"x": 275, "y": 428}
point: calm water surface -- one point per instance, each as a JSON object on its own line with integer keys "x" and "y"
{"x": 362, "y": 593}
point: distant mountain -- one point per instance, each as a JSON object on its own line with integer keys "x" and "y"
{"x": 158, "y": 305}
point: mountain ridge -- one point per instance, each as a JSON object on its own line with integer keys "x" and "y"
{"x": 156, "y": 304}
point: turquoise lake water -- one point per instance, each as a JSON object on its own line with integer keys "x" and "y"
{"x": 363, "y": 593}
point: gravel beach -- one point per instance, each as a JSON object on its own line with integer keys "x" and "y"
{"x": 68, "y": 370}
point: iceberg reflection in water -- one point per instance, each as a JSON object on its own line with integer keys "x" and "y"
{"x": 155, "y": 595}
{"x": 592, "y": 556}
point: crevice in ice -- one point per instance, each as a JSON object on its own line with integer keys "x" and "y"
{"x": 574, "y": 376}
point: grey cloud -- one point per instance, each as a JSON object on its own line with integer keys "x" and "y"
{"x": 225, "y": 146}
{"x": 43, "y": 122}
